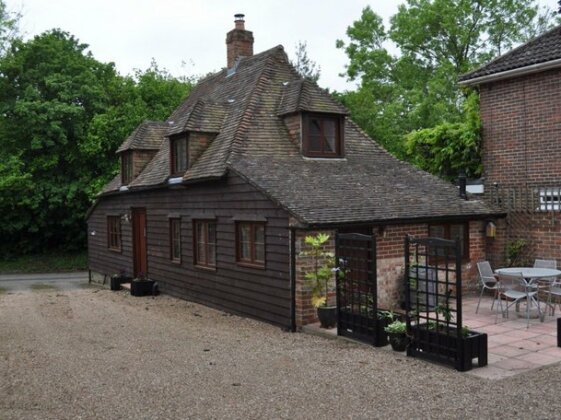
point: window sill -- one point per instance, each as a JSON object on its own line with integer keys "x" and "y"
{"x": 175, "y": 262}
{"x": 116, "y": 250}
{"x": 205, "y": 267}
{"x": 250, "y": 265}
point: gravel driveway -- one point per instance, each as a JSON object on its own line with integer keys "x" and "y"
{"x": 93, "y": 353}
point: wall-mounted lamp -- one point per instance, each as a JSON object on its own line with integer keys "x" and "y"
{"x": 126, "y": 218}
{"x": 93, "y": 233}
{"x": 491, "y": 230}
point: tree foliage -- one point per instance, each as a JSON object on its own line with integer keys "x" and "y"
{"x": 413, "y": 85}
{"x": 62, "y": 116}
{"x": 448, "y": 148}
{"x": 307, "y": 68}
{"x": 8, "y": 26}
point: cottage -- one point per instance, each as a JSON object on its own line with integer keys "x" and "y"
{"x": 520, "y": 97}
{"x": 215, "y": 202}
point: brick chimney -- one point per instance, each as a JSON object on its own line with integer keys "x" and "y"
{"x": 239, "y": 42}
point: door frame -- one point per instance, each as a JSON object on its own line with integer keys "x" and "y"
{"x": 136, "y": 264}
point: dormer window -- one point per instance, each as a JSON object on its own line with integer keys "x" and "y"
{"x": 179, "y": 155}
{"x": 322, "y": 135}
{"x": 126, "y": 168}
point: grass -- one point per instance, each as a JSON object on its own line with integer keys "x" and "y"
{"x": 51, "y": 262}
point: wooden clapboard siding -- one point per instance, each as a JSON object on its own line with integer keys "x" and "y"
{"x": 259, "y": 293}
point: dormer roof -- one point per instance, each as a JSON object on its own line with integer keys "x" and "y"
{"x": 203, "y": 116}
{"x": 304, "y": 95}
{"x": 147, "y": 136}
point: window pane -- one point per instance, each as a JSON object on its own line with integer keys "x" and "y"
{"x": 314, "y": 134}
{"x": 201, "y": 258}
{"x": 437, "y": 231}
{"x": 180, "y": 154}
{"x": 211, "y": 255}
{"x": 244, "y": 230}
{"x": 259, "y": 242}
{"x": 329, "y": 132}
{"x": 457, "y": 231}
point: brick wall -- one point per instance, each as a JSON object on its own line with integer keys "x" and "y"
{"x": 390, "y": 264}
{"x": 521, "y": 121}
{"x": 305, "y": 312}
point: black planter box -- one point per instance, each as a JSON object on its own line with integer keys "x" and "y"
{"x": 448, "y": 348}
{"x": 558, "y": 332}
{"x": 116, "y": 282}
{"x": 143, "y": 288}
{"x": 366, "y": 329}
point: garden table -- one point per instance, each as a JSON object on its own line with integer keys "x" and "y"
{"x": 532, "y": 275}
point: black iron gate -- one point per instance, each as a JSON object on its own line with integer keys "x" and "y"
{"x": 433, "y": 301}
{"x": 356, "y": 287}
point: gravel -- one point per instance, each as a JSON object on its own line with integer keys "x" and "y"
{"x": 93, "y": 353}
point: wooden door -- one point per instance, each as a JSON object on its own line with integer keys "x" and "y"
{"x": 140, "y": 260}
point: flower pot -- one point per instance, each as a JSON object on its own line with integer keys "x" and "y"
{"x": 398, "y": 341}
{"x": 327, "y": 316}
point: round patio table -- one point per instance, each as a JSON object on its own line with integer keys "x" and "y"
{"x": 530, "y": 272}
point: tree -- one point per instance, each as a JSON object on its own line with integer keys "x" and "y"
{"x": 436, "y": 41}
{"x": 304, "y": 65}
{"x": 8, "y": 27}
{"x": 448, "y": 148}
{"x": 62, "y": 116}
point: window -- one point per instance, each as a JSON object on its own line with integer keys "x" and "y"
{"x": 178, "y": 158}
{"x": 250, "y": 244}
{"x": 114, "y": 233}
{"x": 126, "y": 168}
{"x": 175, "y": 239}
{"x": 323, "y": 136}
{"x": 452, "y": 231}
{"x": 550, "y": 199}
{"x": 205, "y": 243}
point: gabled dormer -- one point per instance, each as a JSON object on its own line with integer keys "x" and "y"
{"x": 315, "y": 122}
{"x": 139, "y": 149}
{"x": 192, "y": 133}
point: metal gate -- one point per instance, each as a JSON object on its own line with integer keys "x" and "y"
{"x": 356, "y": 287}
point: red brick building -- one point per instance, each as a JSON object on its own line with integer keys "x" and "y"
{"x": 520, "y": 102}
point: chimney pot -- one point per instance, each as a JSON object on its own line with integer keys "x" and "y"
{"x": 239, "y": 21}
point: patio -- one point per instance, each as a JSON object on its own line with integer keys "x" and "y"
{"x": 512, "y": 348}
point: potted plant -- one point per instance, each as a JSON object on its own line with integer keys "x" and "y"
{"x": 320, "y": 277}
{"x": 397, "y": 333}
{"x": 142, "y": 286}
{"x": 384, "y": 318}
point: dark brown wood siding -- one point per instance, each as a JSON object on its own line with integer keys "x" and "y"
{"x": 259, "y": 293}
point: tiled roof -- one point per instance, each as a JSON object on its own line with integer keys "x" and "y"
{"x": 544, "y": 48}
{"x": 304, "y": 95}
{"x": 367, "y": 185}
{"x": 147, "y": 136}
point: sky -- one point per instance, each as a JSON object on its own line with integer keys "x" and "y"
{"x": 187, "y": 37}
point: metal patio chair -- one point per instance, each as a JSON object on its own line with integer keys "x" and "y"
{"x": 542, "y": 285}
{"x": 488, "y": 281}
{"x": 554, "y": 292}
{"x": 515, "y": 287}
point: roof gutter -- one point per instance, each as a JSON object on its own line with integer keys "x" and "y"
{"x": 522, "y": 71}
